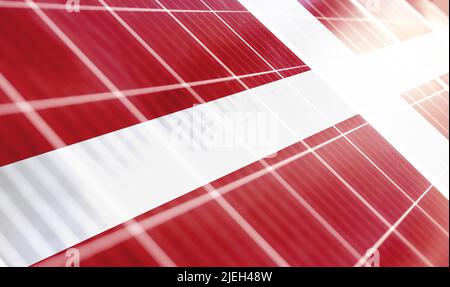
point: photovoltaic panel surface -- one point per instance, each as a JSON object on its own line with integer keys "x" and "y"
{"x": 83, "y": 82}
{"x": 90, "y": 101}
{"x": 337, "y": 226}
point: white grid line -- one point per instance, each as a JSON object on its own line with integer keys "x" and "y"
{"x": 380, "y": 40}
{"x": 392, "y": 229}
{"x": 367, "y": 42}
{"x": 431, "y": 100}
{"x": 349, "y": 41}
{"x": 435, "y": 94}
{"x": 48, "y": 103}
{"x": 48, "y": 133}
{"x": 428, "y": 113}
{"x": 57, "y": 6}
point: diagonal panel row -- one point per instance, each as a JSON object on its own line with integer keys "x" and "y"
{"x": 41, "y": 67}
{"x": 308, "y": 226}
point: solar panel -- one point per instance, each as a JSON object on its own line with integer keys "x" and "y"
{"x": 223, "y": 132}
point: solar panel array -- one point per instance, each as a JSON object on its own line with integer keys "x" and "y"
{"x": 73, "y": 80}
{"x": 307, "y": 215}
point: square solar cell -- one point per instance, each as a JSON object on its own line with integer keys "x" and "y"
{"x": 287, "y": 225}
{"x": 430, "y": 11}
{"x": 127, "y": 254}
{"x": 226, "y": 46}
{"x": 349, "y": 24}
{"x": 334, "y": 202}
{"x": 20, "y": 139}
{"x": 425, "y": 237}
{"x": 81, "y": 122}
{"x": 395, "y": 253}
{"x": 431, "y": 100}
{"x": 355, "y": 170}
{"x": 194, "y": 239}
{"x": 181, "y": 52}
{"x": 37, "y": 63}
{"x": 262, "y": 40}
{"x": 112, "y": 49}
{"x": 398, "y": 17}
{"x": 390, "y": 161}
{"x": 436, "y": 205}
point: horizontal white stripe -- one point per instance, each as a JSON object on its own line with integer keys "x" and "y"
{"x": 372, "y": 83}
{"x": 134, "y": 168}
